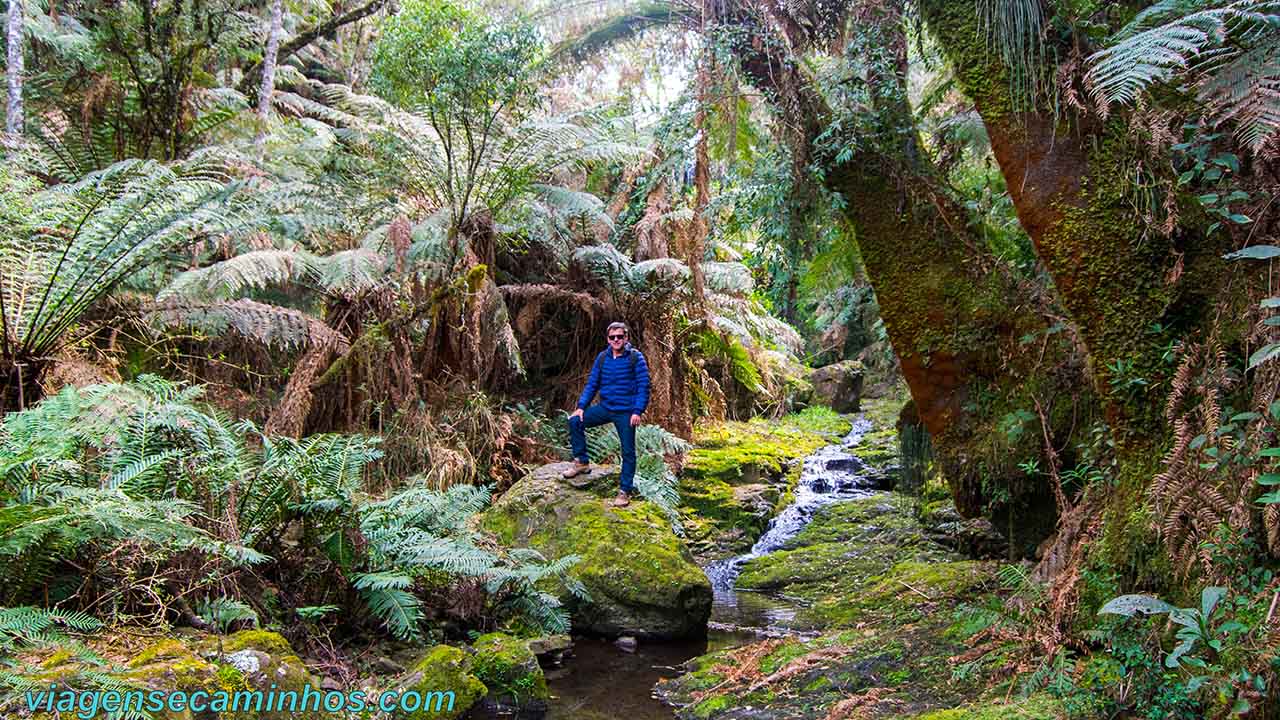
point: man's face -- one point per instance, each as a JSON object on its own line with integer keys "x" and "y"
{"x": 617, "y": 338}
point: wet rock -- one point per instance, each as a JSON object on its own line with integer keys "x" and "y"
{"x": 759, "y": 500}
{"x": 975, "y": 537}
{"x": 844, "y": 463}
{"x": 386, "y": 666}
{"x": 640, "y": 577}
{"x": 626, "y": 643}
{"x": 838, "y": 386}
{"x": 447, "y": 682}
{"x": 549, "y": 644}
{"x": 510, "y": 671}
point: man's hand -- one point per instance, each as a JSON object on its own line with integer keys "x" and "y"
{"x": 576, "y": 414}
{"x": 635, "y": 420}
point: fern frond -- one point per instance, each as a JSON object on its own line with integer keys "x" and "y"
{"x": 398, "y": 610}
{"x": 247, "y": 271}
{"x": 269, "y": 325}
{"x": 100, "y": 231}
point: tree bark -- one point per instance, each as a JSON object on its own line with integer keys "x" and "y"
{"x": 1130, "y": 288}
{"x": 697, "y": 234}
{"x": 268, "y": 74}
{"x": 953, "y": 322}
{"x": 13, "y": 73}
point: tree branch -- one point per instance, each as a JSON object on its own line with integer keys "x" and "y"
{"x": 307, "y": 37}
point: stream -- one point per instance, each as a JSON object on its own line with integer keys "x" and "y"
{"x": 602, "y": 681}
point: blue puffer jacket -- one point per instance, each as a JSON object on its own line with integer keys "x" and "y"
{"x": 623, "y": 382}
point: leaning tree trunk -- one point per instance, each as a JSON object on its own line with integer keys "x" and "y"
{"x": 954, "y": 323}
{"x": 1132, "y": 289}
{"x": 269, "y": 73}
{"x": 13, "y": 73}
{"x": 1128, "y": 287}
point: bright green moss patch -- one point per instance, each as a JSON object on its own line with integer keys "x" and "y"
{"x": 507, "y": 667}
{"x": 737, "y": 452}
{"x": 924, "y": 582}
{"x": 445, "y": 669}
{"x": 265, "y": 641}
{"x": 164, "y": 649}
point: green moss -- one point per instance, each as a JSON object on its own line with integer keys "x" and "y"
{"x": 914, "y": 583}
{"x": 445, "y": 669}
{"x": 271, "y": 643}
{"x": 230, "y": 678}
{"x": 640, "y": 576}
{"x": 785, "y": 653}
{"x": 1036, "y": 707}
{"x": 711, "y": 706}
{"x": 819, "y": 419}
{"x": 164, "y": 649}
{"x": 508, "y": 668}
{"x": 57, "y": 658}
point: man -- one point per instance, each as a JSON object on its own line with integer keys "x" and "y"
{"x": 621, "y": 376}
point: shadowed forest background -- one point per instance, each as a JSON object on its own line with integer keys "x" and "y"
{"x": 296, "y": 295}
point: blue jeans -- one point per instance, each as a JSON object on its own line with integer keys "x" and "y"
{"x": 599, "y": 415}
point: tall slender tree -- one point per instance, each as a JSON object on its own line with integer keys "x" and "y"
{"x": 13, "y": 72}
{"x": 269, "y": 73}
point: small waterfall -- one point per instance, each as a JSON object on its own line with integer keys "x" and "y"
{"x": 831, "y": 474}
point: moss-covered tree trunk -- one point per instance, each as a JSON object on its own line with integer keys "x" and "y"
{"x": 951, "y": 320}
{"x": 1129, "y": 287}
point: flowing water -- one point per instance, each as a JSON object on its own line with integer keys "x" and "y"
{"x": 602, "y": 681}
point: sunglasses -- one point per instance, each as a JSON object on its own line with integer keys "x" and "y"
{"x": 617, "y": 337}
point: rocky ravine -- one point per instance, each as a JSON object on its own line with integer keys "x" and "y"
{"x": 882, "y": 600}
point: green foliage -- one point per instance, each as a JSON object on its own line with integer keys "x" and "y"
{"x": 418, "y": 531}
{"x": 1227, "y": 48}
{"x": 224, "y": 612}
{"x": 454, "y": 62}
{"x": 32, "y": 626}
{"x": 92, "y": 472}
{"x": 74, "y": 244}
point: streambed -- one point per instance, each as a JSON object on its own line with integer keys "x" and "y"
{"x": 602, "y": 681}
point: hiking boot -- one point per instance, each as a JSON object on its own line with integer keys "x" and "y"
{"x": 622, "y": 500}
{"x": 577, "y": 469}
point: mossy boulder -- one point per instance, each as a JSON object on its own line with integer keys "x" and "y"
{"x": 264, "y": 659}
{"x": 445, "y": 680}
{"x": 226, "y": 669}
{"x": 640, "y": 576}
{"x": 510, "y": 670}
{"x": 838, "y": 386}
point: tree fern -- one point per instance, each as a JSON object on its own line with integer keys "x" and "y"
{"x": 82, "y": 240}
{"x": 260, "y": 323}
{"x": 1230, "y": 50}
{"x": 252, "y": 270}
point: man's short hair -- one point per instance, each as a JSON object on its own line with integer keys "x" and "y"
{"x": 617, "y": 326}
